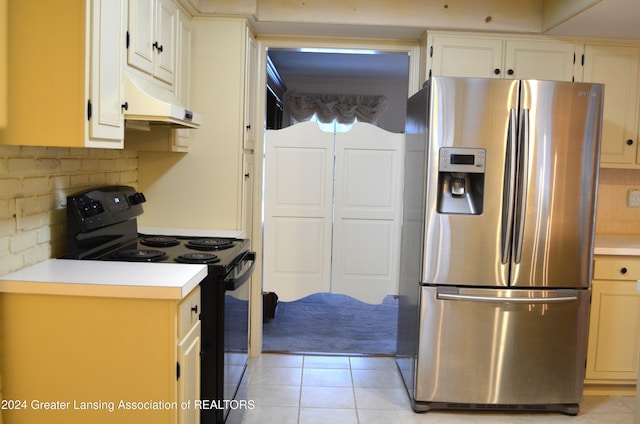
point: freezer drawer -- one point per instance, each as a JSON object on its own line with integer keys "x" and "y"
{"x": 515, "y": 349}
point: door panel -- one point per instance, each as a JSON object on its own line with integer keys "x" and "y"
{"x": 298, "y": 211}
{"x": 541, "y": 59}
{"x": 467, "y": 249}
{"x": 560, "y": 186}
{"x": 501, "y": 351}
{"x": 467, "y": 57}
{"x": 368, "y": 212}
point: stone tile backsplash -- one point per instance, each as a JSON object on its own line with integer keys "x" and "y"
{"x": 36, "y": 181}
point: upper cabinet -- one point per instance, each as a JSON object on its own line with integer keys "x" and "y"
{"x": 488, "y": 56}
{"x": 617, "y": 68}
{"x": 65, "y": 64}
{"x": 163, "y": 138}
{"x": 152, "y": 38}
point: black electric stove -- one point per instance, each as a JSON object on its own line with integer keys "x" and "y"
{"x": 102, "y": 225}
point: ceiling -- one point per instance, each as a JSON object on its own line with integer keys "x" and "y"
{"x": 294, "y": 63}
{"x": 618, "y": 19}
{"x": 606, "y": 19}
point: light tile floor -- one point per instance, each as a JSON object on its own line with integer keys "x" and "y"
{"x": 306, "y": 389}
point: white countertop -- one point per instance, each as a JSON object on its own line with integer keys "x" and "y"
{"x": 105, "y": 279}
{"x": 622, "y": 245}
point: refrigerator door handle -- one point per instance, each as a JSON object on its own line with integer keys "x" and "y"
{"x": 494, "y": 299}
{"x": 509, "y": 185}
{"x": 523, "y": 162}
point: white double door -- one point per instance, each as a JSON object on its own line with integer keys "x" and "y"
{"x": 332, "y": 212}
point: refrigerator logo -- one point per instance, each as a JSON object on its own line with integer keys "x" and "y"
{"x": 586, "y": 94}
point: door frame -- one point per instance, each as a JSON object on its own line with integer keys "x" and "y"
{"x": 412, "y": 48}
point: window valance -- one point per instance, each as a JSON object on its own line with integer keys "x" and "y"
{"x": 344, "y": 108}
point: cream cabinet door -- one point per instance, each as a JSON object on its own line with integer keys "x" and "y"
{"x": 617, "y": 68}
{"x": 247, "y": 194}
{"x": 180, "y": 139}
{"x": 106, "y": 89}
{"x": 453, "y": 56}
{"x": 189, "y": 379}
{"x": 153, "y": 27}
{"x": 142, "y": 34}
{"x": 614, "y": 340}
{"x": 539, "y": 59}
{"x": 251, "y": 74}
{"x": 165, "y": 59}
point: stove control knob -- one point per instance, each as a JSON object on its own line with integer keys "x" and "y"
{"x": 137, "y": 198}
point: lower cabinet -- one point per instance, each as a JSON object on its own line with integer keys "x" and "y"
{"x": 614, "y": 339}
{"x": 76, "y": 359}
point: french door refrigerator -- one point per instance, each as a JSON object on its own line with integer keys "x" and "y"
{"x": 498, "y": 228}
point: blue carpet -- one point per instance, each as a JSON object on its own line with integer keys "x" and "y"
{"x": 333, "y": 323}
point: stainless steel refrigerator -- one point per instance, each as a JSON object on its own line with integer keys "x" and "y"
{"x": 498, "y": 228}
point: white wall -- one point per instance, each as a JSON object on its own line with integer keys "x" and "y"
{"x": 202, "y": 189}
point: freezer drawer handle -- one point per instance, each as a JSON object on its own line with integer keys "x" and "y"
{"x": 474, "y": 298}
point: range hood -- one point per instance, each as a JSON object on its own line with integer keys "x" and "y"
{"x": 148, "y": 104}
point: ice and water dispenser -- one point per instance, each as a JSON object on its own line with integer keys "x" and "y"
{"x": 461, "y": 180}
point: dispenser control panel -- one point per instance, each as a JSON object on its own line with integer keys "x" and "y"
{"x": 462, "y": 159}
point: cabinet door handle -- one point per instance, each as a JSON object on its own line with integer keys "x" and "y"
{"x": 623, "y": 270}
{"x": 510, "y": 72}
{"x": 629, "y": 142}
{"x": 194, "y": 309}
{"x": 125, "y": 106}
{"x": 496, "y": 71}
{"x": 157, "y": 46}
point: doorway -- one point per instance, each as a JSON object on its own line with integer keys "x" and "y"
{"x": 328, "y": 70}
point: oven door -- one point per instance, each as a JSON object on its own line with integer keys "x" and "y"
{"x": 236, "y": 326}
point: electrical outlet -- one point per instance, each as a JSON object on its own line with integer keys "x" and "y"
{"x": 633, "y": 198}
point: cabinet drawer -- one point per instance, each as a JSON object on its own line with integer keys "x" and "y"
{"x": 188, "y": 312}
{"x": 623, "y": 268}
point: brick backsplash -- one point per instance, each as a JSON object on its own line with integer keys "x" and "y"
{"x": 37, "y": 180}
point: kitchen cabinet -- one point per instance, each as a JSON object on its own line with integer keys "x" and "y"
{"x": 614, "y": 340}
{"x": 247, "y": 194}
{"x": 94, "y": 350}
{"x": 251, "y": 74}
{"x": 65, "y": 83}
{"x": 163, "y": 138}
{"x": 152, "y": 34}
{"x": 499, "y": 56}
{"x": 189, "y": 348}
{"x": 617, "y": 68}
{"x": 180, "y": 139}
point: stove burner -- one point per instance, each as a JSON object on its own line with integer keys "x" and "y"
{"x": 198, "y": 258}
{"x": 210, "y": 244}
{"x": 141, "y": 255}
{"x": 160, "y": 241}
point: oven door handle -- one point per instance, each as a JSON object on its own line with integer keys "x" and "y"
{"x": 235, "y": 281}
